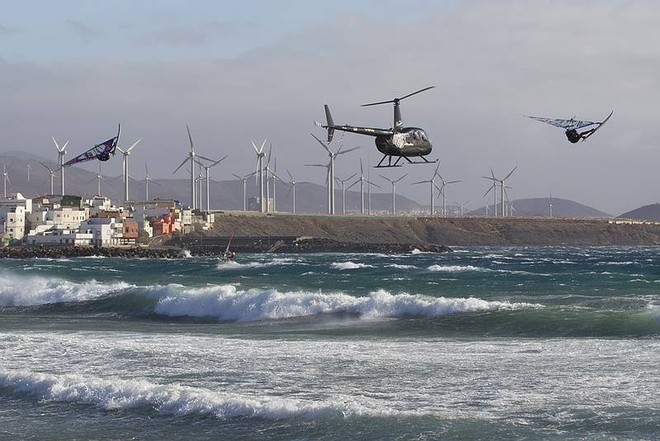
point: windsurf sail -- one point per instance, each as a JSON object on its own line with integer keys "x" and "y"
{"x": 100, "y": 151}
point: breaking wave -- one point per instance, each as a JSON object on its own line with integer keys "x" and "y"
{"x": 350, "y": 265}
{"x": 227, "y": 303}
{"x": 33, "y": 290}
{"x": 173, "y": 399}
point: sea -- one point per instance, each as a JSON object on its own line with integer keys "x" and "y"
{"x": 489, "y": 343}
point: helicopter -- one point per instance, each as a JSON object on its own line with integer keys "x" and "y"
{"x": 100, "y": 151}
{"x": 572, "y": 126}
{"x": 398, "y": 142}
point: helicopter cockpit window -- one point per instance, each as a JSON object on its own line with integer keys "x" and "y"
{"x": 419, "y": 134}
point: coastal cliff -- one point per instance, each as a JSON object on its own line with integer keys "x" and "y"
{"x": 287, "y": 233}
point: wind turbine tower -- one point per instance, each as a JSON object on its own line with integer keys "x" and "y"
{"x": 394, "y": 190}
{"x": 331, "y": 172}
{"x": 260, "y": 173}
{"x": 207, "y": 178}
{"x": 432, "y": 184}
{"x": 61, "y": 151}
{"x": 6, "y": 179}
{"x": 443, "y": 192}
{"x": 52, "y": 177}
{"x": 126, "y": 153}
{"x": 293, "y": 192}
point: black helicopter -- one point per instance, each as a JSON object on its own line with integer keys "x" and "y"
{"x": 572, "y": 126}
{"x": 399, "y": 141}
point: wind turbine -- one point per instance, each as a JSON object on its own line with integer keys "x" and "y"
{"x": 244, "y": 179}
{"x": 126, "y": 153}
{"x": 499, "y": 182}
{"x": 99, "y": 178}
{"x": 61, "y": 151}
{"x": 343, "y": 191}
{"x": 260, "y": 172}
{"x": 431, "y": 185}
{"x": 208, "y": 178}
{"x": 327, "y": 178}
{"x": 6, "y": 176}
{"x": 493, "y": 188}
{"x": 331, "y": 172}
{"x": 52, "y": 176}
{"x": 443, "y": 192}
{"x": 293, "y": 190}
{"x": 191, "y": 158}
{"x": 147, "y": 179}
{"x": 394, "y": 190}
{"x": 361, "y": 180}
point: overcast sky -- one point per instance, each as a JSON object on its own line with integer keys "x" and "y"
{"x": 255, "y": 70}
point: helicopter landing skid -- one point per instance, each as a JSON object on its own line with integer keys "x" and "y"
{"x": 398, "y": 159}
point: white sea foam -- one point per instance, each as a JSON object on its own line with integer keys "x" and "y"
{"x": 399, "y": 266}
{"x": 173, "y": 399}
{"x": 227, "y": 303}
{"x": 349, "y": 265}
{"x": 33, "y": 290}
{"x": 454, "y": 268}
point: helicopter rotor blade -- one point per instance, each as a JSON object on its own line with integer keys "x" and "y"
{"x": 415, "y": 93}
{"x": 395, "y": 100}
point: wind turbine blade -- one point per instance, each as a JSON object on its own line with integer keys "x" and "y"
{"x": 316, "y": 165}
{"x": 371, "y": 183}
{"x": 181, "y": 165}
{"x": 289, "y": 173}
{"x": 346, "y": 151}
{"x": 361, "y": 169}
{"x": 204, "y": 158}
{"x": 510, "y": 173}
{"x": 134, "y": 144}
{"x": 401, "y": 177}
{"x": 421, "y": 182}
{"x": 190, "y": 138}
{"x": 452, "y": 182}
{"x": 490, "y": 179}
{"x": 322, "y": 144}
{"x": 386, "y": 178}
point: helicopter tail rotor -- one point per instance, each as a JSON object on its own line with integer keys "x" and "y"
{"x": 330, "y": 124}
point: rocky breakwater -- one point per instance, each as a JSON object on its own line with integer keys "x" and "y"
{"x": 69, "y": 252}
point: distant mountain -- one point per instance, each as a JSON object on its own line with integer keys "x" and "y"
{"x": 647, "y": 212}
{"x": 546, "y": 207}
{"x": 225, "y": 195}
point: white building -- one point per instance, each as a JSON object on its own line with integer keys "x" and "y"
{"x": 106, "y": 231}
{"x": 65, "y": 217}
{"x": 13, "y": 212}
{"x": 52, "y": 235}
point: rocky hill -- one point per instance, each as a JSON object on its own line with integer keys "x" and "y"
{"x": 418, "y": 232}
{"x": 647, "y": 212}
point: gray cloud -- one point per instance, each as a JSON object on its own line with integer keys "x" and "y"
{"x": 491, "y": 62}
{"x": 86, "y": 33}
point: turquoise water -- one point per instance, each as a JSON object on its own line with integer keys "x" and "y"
{"x": 481, "y": 343}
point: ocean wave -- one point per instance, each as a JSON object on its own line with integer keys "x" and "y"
{"x": 33, "y": 290}
{"x": 232, "y": 264}
{"x": 349, "y": 265}
{"x": 454, "y": 268}
{"x": 227, "y": 303}
{"x": 173, "y": 399}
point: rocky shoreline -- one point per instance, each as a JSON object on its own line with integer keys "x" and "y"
{"x": 185, "y": 247}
